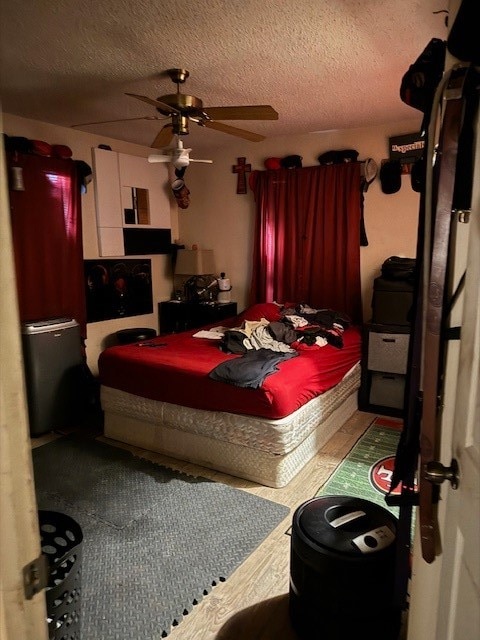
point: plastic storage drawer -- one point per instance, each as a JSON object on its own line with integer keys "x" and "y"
{"x": 387, "y": 390}
{"x": 388, "y": 352}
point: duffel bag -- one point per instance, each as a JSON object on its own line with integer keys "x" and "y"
{"x": 397, "y": 268}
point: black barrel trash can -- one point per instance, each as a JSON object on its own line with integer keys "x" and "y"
{"x": 342, "y": 570}
{"x": 61, "y": 541}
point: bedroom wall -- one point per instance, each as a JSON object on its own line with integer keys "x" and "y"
{"x": 219, "y": 219}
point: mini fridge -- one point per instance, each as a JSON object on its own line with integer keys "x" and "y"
{"x": 52, "y": 362}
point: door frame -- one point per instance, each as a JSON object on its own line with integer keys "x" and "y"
{"x": 20, "y": 618}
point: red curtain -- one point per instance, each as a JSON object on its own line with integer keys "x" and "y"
{"x": 47, "y": 239}
{"x": 307, "y": 237}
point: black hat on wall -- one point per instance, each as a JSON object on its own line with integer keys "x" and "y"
{"x": 338, "y": 156}
{"x": 391, "y": 176}
{"x": 291, "y": 162}
{"x": 417, "y": 175}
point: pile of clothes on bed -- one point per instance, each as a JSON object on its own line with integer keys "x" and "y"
{"x": 263, "y": 344}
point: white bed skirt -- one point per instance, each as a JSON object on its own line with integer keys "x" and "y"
{"x": 269, "y": 452}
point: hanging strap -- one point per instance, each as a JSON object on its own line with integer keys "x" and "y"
{"x": 436, "y": 305}
{"x": 408, "y": 450}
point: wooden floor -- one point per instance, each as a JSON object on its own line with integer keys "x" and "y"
{"x": 252, "y": 604}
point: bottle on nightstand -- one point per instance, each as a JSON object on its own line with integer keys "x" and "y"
{"x": 225, "y": 288}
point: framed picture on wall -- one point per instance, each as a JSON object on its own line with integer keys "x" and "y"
{"x": 117, "y": 288}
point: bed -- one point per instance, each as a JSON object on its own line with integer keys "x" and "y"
{"x": 162, "y": 395}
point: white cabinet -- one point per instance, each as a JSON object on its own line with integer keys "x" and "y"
{"x": 120, "y": 179}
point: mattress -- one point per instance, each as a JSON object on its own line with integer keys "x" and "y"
{"x": 175, "y": 369}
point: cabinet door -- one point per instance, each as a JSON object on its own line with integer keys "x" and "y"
{"x": 138, "y": 173}
{"x": 175, "y": 317}
{"x": 202, "y": 314}
{"x": 226, "y": 310}
{"x": 107, "y": 188}
{"x": 107, "y": 203}
{"x": 130, "y": 192}
{"x": 181, "y": 316}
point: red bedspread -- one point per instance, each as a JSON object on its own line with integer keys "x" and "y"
{"x": 178, "y": 373}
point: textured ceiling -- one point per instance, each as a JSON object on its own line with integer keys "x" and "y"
{"x": 321, "y": 64}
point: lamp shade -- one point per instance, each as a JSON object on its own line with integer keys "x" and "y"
{"x": 194, "y": 262}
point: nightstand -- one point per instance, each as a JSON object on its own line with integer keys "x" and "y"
{"x": 180, "y": 316}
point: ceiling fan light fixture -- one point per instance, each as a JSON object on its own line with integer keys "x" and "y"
{"x": 178, "y": 156}
{"x": 179, "y": 125}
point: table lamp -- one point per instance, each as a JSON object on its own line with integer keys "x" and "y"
{"x": 194, "y": 262}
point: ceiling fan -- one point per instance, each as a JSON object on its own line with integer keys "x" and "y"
{"x": 178, "y": 156}
{"x": 183, "y": 108}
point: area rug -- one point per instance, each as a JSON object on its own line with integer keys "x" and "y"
{"x": 367, "y": 469}
{"x": 155, "y": 540}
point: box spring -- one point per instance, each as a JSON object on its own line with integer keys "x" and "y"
{"x": 269, "y": 452}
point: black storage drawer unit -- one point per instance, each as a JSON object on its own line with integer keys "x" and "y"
{"x": 386, "y": 341}
{"x": 181, "y": 316}
{"x": 392, "y": 302}
{"x": 384, "y": 368}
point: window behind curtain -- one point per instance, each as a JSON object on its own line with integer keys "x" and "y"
{"x": 47, "y": 239}
{"x": 307, "y": 237}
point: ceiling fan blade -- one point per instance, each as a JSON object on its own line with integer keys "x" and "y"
{"x": 159, "y": 158}
{"x": 204, "y": 161}
{"x": 234, "y": 131}
{"x": 84, "y": 124}
{"x": 247, "y": 112}
{"x": 155, "y": 103}
{"x": 164, "y": 137}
